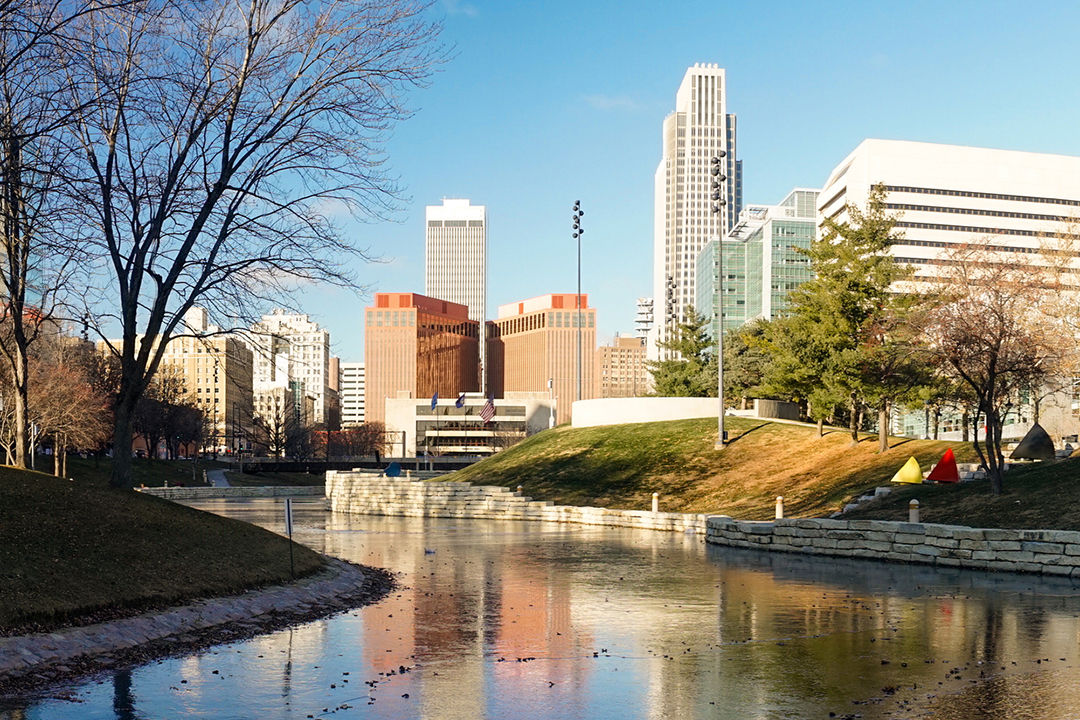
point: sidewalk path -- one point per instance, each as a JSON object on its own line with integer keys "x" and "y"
{"x": 217, "y": 478}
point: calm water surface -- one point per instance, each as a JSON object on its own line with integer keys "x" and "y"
{"x": 521, "y": 620}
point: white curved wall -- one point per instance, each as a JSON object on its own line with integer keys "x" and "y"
{"x": 620, "y": 411}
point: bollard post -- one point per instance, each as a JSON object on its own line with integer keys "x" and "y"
{"x": 656, "y": 502}
{"x": 913, "y": 511}
{"x": 779, "y": 507}
{"x": 520, "y": 490}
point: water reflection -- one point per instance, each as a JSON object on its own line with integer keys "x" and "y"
{"x": 518, "y": 620}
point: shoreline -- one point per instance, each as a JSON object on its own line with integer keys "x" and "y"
{"x": 33, "y": 662}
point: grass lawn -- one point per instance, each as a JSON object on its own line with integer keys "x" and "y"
{"x": 70, "y": 549}
{"x": 620, "y": 466}
{"x": 239, "y": 479}
{"x": 1034, "y": 496}
{"x": 152, "y": 473}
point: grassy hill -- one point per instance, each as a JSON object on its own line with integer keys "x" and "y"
{"x": 80, "y": 550}
{"x": 621, "y": 466}
{"x": 1034, "y": 496}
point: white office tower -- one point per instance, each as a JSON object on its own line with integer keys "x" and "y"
{"x": 950, "y": 195}
{"x": 455, "y": 261}
{"x": 292, "y": 351}
{"x": 698, "y": 129}
{"x": 351, "y": 387}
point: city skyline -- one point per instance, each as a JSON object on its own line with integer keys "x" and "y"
{"x": 582, "y": 123}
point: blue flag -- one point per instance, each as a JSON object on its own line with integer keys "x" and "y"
{"x": 434, "y": 399}
{"x": 460, "y": 401}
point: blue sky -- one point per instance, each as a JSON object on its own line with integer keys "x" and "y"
{"x": 544, "y": 103}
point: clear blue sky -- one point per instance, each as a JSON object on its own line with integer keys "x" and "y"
{"x": 546, "y": 103}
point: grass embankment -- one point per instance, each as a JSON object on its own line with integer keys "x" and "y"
{"x": 620, "y": 466}
{"x": 79, "y": 550}
{"x": 144, "y": 471}
{"x": 259, "y": 479}
{"x": 1034, "y": 496}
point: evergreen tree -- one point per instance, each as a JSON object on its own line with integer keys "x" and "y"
{"x": 693, "y": 372}
{"x": 847, "y": 340}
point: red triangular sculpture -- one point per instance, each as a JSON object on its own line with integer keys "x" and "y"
{"x": 945, "y": 471}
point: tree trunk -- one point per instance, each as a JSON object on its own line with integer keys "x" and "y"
{"x": 937, "y": 421}
{"x": 821, "y": 427}
{"x": 926, "y": 422}
{"x": 21, "y": 439}
{"x": 964, "y": 420}
{"x": 121, "y": 465}
{"x": 883, "y": 427}
{"x": 56, "y": 455}
{"x": 853, "y": 420}
{"x": 1036, "y": 404}
{"x": 63, "y": 457}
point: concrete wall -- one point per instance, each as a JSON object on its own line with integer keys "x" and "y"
{"x": 209, "y": 493}
{"x": 365, "y": 494}
{"x": 620, "y": 411}
{"x": 1049, "y": 552}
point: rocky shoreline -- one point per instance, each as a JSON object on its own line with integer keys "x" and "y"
{"x": 36, "y": 661}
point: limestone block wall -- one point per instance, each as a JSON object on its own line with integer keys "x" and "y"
{"x": 364, "y": 494}
{"x": 210, "y": 493}
{"x": 1048, "y": 552}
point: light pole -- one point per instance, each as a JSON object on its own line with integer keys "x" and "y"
{"x": 578, "y": 232}
{"x": 718, "y": 179}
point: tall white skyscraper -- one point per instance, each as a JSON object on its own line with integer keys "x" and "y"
{"x": 683, "y": 221}
{"x": 455, "y": 261}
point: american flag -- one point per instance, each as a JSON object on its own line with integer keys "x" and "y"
{"x": 488, "y": 411}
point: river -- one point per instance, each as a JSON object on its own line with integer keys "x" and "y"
{"x": 516, "y": 620}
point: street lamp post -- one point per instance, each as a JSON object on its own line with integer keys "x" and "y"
{"x": 718, "y": 179}
{"x": 578, "y": 232}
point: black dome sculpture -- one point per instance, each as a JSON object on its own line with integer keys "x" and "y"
{"x": 1036, "y": 445}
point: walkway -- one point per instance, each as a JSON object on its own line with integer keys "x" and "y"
{"x": 217, "y": 478}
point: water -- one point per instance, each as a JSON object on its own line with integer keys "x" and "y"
{"x": 523, "y": 620}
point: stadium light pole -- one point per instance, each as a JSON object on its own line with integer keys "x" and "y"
{"x": 717, "y": 196}
{"x": 578, "y": 231}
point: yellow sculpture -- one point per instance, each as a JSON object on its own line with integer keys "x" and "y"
{"x": 911, "y": 473}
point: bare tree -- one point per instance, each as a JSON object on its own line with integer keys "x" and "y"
{"x": 222, "y": 138}
{"x": 36, "y": 246}
{"x": 992, "y": 332}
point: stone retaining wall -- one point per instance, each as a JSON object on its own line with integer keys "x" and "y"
{"x": 210, "y": 493}
{"x": 364, "y": 494}
{"x": 1048, "y": 552}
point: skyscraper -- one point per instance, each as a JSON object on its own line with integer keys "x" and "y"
{"x": 683, "y": 221}
{"x": 534, "y": 348}
{"x": 416, "y": 346}
{"x": 455, "y": 260}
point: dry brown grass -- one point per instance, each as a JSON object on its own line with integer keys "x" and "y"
{"x": 622, "y": 465}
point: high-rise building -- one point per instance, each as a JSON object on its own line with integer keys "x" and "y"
{"x": 352, "y": 393}
{"x": 949, "y": 195}
{"x": 216, "y": 370}
{"x": 533, "y": 347}
{"x": 761, "y": 262}
{"x": 455, "y": 259}
{"x": 292, "y": 351}
{"x": 696, "y": 132}
{"x": 620, "y": 369}
{"x": 415, "y": 346}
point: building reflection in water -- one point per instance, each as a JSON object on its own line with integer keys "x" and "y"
{"x": 508, "y": 620}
